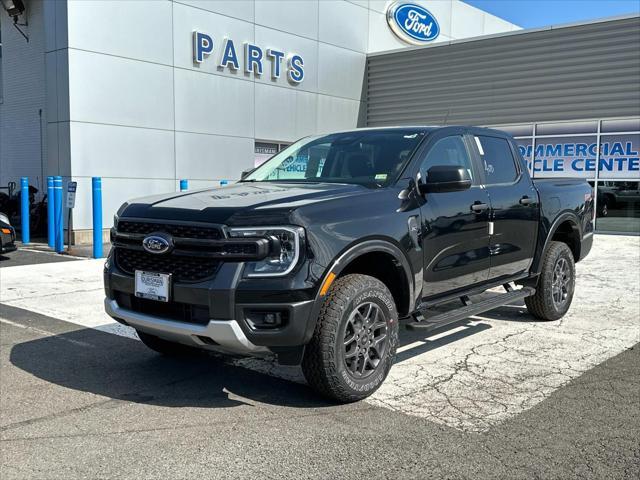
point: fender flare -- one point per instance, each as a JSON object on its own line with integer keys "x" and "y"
{"x": 572, "y": 218}
{"x": 345, "y": 258}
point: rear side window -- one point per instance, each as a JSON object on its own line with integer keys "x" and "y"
{"x": 497, "y": 160}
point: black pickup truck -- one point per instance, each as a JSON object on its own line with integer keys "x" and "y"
{"x": 318, "y": 253}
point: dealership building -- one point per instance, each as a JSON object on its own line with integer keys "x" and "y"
{"x": 146, "y": 93}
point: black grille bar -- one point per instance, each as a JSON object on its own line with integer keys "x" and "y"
{"x": 236, "y": 249}
{"x": 183, "y": 269}
{"x": 143, "y": 227}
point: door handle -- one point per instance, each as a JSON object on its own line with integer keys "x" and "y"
{"x": 478, "y": 207}
{"x": 526, "y": 200}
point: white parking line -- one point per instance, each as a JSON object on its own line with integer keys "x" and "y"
{"x": 470, "y": 377}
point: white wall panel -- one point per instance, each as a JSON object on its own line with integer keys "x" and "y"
{"x": 212, "y": 157}
{"x": 106, "y": 89}
{"x": 115, "y": 191}
{"x": 187, "y": 19}
{"x": 493, "y": 24}
{"x": 340, "y": 71}
{"x": 307, "y": 49}
{"x": 379, "y": 6}
{"x": 284, "y": 114}
{"x": 466, "y": 21}
{"x": 336, "y": 113}
{"x": 58, "y": 158}
{"x": 360, "y": 3}
{"x": 441, "y": 9}
{"x": 344, "y": 24}
{"x": 306, "y": 114}
{"x": 243, "y": 9}
{"x": 299, "y": 17}
{"x": 213, "y": 104}
{"x": 139, "y": 29}
{"x": 113, "y": 151}
{"x": 275, "y": 113}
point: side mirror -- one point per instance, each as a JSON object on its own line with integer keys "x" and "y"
{"x": 445, "y": 178}
{"x": 246, "y": 173}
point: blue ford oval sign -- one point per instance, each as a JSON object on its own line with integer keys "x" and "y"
{"x": 412, "y": 23}
{"x": 157, "y": 243}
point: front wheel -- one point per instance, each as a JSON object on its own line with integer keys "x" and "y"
{"x": 354, "y": 343}
{"x": 556, "y": 284}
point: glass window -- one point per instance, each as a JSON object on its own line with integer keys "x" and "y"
{"x": 525, "y": 147}
{"x": 625, "y": 125}
{"x": 516, "y": 130}
{"x": 374, "y": 158}
{"x": 619, "y": 156}
{"x": 497, "y": 158}
{"x": 618, "y": 207}
{"x": 566, "y": 128}
{"x": 565, "y": 157}
{"x": 447, "y": 151}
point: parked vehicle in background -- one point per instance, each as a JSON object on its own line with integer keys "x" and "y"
{"x": 7, "y": 235}
{"x": 319, "y": 252}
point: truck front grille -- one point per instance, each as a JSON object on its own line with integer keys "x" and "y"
{"x": 176, "y": 230}
{"x": 182, "y": 268}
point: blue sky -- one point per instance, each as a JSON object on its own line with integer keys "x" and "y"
{"x": 538, "y": 13}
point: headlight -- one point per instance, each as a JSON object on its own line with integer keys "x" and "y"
{"x": 4, "y": 218}
{"x": 285, "y": 244}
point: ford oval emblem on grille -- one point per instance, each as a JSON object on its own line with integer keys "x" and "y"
{"x": 158, "y": 243}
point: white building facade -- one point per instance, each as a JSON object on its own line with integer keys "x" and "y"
{"x": 145, "y": 93}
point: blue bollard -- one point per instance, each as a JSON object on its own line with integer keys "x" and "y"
{"x": 184, "y": 185}
{"x": 51, "y": 217}
{"x": 96, "y": 189}
{"x": 57, "y": 205}
{"x": 24, "y": 208}
{"x": 224, "y": 182}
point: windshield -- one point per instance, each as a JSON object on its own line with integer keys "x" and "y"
{"x": 369, "y": 157}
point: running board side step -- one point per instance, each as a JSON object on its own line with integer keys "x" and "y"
{"x": 469, "y": 309}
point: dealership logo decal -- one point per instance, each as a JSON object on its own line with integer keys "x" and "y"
{"x": 412, "y": 23}
{"x": 254, "y": 59}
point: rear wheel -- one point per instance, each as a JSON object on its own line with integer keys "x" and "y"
{"x": 556, "y": 284}
{"x": 354, "y": 344}
{"x": 165, "y": 347}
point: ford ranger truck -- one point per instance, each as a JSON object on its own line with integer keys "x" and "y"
{"x": 317, "y": 254}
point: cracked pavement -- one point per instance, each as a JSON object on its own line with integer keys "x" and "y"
{"x": 496, "y": 396}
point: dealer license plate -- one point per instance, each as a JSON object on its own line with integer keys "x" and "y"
{"x": 152, "y": 285}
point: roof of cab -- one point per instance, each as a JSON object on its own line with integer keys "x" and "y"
{"x": 426, "y": 129}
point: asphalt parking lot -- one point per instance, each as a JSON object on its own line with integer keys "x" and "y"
{"x": 497, "y": 396}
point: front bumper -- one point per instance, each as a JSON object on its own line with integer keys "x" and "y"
{"x": 227, "y": 301}
{"x": 217, "y": 334}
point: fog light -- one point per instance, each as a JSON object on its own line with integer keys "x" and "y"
{"x": 265, "y": 319}
{"x": 272, "y": 318}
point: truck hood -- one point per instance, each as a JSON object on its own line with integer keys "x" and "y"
{"x": 243, "y": 203}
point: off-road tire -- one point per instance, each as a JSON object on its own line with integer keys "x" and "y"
{"x": 324, "y": 362}
{"x": 542, "y": 305}
{"x": 166, "y": 347}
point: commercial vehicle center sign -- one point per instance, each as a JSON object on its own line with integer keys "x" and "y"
{"x": 618, "y": 156}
